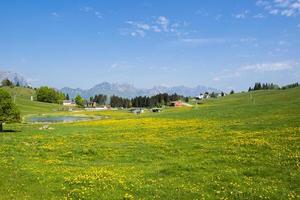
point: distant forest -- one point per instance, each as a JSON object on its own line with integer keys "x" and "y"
{"x": 158, "y": 100}
{"x": 271, "y": 86}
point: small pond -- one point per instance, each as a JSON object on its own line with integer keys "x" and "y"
{"x": 56, "y": 119}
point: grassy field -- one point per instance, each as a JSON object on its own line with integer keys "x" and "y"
{"x": 243, "y": 146}
{"x": 22, "y": 97}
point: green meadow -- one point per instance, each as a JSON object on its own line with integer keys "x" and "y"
{"x": 242, "y": 146}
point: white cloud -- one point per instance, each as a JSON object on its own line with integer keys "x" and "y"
{"x": 55, "y": 14}
{"x": 268, "y": 67}
{"x": 139, "y": 28}
{"x": 227, "y": 76}
{"x": 119, "y": 66}
{"x": 274, "y": 11}
{"x": 163, "y": 22}
{"x": 160, "y": 24}
{"x": 218, "y": 17}
{"x": 140, "y": 33}
{"x": 259, "y": 16}
{"x": 114, "y": 65}
{"x": 242, "y": 15}
{"x": 91, "y": 10}
{"x": 287, "y": 8}
{"x": 276, "y": 67}
{"x": 98, "y": 14}
{"x": 138, "y": 25}
{"x": 204, "y": 41}
{"x": 200, "y": 41}
{"x": 202, "y": 13}
{"x": 156, "y": 29}
{"x": 288, "y": 12}
{"x": 31, "y": 80}
{"x": 87, "y": 9}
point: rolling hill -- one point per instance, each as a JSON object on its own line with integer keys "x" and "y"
{"x": 22, "y": 98}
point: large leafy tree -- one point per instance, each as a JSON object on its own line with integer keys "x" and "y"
{"x": 49, "y": 95}
{"x": 8, "y": 110}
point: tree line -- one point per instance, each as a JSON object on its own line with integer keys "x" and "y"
{"x": 293, "y": 85}
{"x": 271, "y": 86}
{"x": 116, "y": 101}
{"x": 159, "y": 100}
{"x": 100, "y": 99}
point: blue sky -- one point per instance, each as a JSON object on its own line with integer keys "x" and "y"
{"x": 227, "y": 44}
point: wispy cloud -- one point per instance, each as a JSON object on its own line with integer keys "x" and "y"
{"x": 161, "y": 24}
{"x": 259, "y": 16}
{"x": 287, "y": 8}
{"x": 202, "y": 13}
{"x": 218, "y": 17}
{"x": 276, "y": 67}
{"x": 227, "y": 76}
{"x": 98, "y": 15}
{"x": 242, "y": 15}
{"x": 269, "y": 67}
{"x": 93, "y": 11}
{"x": 139, "y": 28}
{"x": 55, "y": 14}
{"x": 202, "y": 41}
{"x": 207, "y": 41}
{"x": 117, "y": 66}
{"x": 31, "y": 80}
{"x": 87, "y": 9}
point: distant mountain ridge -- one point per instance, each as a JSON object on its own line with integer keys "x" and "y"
{"x": 13, "y": 77}
{"x": 129, "y": 91}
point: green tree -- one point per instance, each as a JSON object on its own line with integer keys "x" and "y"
{"x": 49, "y": 95}
{"x": 232, "y": 92}
{"x": 8, "y": 110}
{"x": 7, "y": 82}
{"x": 79, "y": 101}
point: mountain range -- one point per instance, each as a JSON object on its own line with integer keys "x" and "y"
{"x": 13, "y": 77}
{"x": 122, "y": 90}
{"x": 129, "y": 91}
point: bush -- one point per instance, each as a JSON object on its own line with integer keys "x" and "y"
{"x": 79, "y": 101}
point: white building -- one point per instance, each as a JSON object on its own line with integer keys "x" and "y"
{"x": 200, "y": 97}
{"x": 69, "y": 103}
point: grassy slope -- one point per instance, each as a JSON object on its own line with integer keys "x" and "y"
{"x": 244, "y": 146}
{"x": 26, "y": 106}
